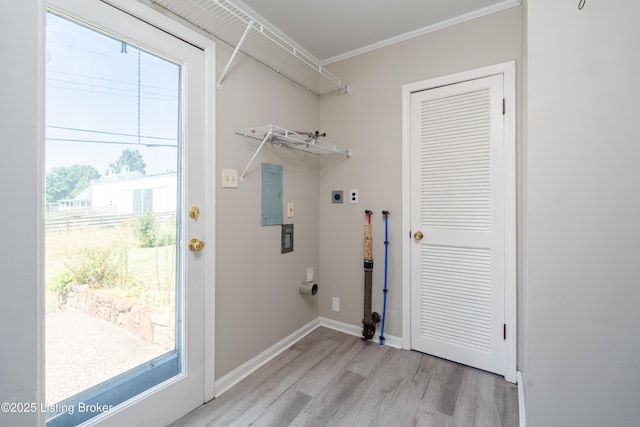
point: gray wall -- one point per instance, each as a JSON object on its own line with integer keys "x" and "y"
{"x": 370, "y": 121}
{"x": 584, "y": 204}
{"x": 20, "y": 116}
{"x": 258, "y": 303}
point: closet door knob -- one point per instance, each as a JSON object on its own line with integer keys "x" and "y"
{"x": 418, "y": 235}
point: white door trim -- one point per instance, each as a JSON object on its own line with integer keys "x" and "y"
{"x": 172, "y": 26}
{"x": 507, "y": 69}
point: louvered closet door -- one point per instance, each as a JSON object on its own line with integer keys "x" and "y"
{"x": 457, "y": 203}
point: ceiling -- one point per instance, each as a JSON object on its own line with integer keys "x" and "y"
{"x": 330, "y": 30}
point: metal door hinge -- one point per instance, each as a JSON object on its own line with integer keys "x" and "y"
{"x": 504, "y": 107}
{"x": 504, "y": 331}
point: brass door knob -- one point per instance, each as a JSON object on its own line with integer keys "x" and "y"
{"x": 196, "y": 245}
{"x": 418, "y": 235}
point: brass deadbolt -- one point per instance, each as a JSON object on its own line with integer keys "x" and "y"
{"x": 418, "y": 235}
{"x": 196, "y": 245}
{"x": 194, "y": 212}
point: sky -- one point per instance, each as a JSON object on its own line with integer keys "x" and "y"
{"x": 104, "y": 95}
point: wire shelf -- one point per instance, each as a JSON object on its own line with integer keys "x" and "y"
{"x": 291, "y": 139}
{"x": 232, "y": 25}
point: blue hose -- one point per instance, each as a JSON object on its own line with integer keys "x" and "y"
{"x": 386, "y": 263}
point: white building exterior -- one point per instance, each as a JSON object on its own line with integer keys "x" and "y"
{"x": 132, "y": 192}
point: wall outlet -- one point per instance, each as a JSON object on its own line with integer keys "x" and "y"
{"x": 230, "y": 178}
{"x": 354, "y": 196}
{"x": 335, "y": 304}
{"x": 336, "y": 196}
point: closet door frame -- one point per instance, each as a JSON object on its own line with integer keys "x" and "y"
{"x": 507, "y": 69}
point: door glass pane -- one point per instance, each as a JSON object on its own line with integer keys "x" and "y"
{"x": 112, "y": 187}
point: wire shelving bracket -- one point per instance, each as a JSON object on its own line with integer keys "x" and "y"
{"x": 291, "y": 139}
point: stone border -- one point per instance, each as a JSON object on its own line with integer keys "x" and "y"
{"x": 143, "y": 321}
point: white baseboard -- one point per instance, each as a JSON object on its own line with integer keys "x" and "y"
{"x": 521, "y": 407}
{"x": 356, "y": 330}
{"x": 241, "y": 372}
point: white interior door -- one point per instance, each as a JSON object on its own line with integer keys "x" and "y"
{"x": 109, "y": 92}
{"x": 458, "y": 187}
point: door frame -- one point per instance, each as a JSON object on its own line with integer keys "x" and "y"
{"x": 164, "y": 22}
{"x": 507, "y": 69}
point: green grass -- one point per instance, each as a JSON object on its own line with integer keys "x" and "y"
{"x": 151, "y": 270}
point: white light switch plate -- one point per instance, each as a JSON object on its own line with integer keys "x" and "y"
{"x": 230, "y": 178}
{"x": 290, "y": 210}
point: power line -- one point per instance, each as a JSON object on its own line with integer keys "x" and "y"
{"x": 91, "y": 141}
{"x": 169, "y": 97}
{"x": 108, "y": 80}
{"x": 110, "y": 133}
{"x": 139, "y": 117}
{"x": 107, "y": 93}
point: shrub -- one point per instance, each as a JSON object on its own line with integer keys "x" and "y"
{"x": 146, "y": 229}
{"x": 153, "y": 233}
{"x": 168, "y": 233}
{"x": 61, "y": 285}
{"x": 95, "y": 267}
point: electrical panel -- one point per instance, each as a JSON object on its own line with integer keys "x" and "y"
{"x": 271, "y": 209}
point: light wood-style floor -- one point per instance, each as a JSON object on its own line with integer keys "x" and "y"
{"x": 332, "y": 379}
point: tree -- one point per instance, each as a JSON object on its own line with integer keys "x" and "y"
{"x": 66, "y": 182}
{"x": 131, "y": 159}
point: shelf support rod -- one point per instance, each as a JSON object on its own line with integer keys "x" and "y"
{"x": 244, "y": 172}
{"x": 233, "y": 55}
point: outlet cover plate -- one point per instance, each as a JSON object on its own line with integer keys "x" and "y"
{"x": 354, "y": 196}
